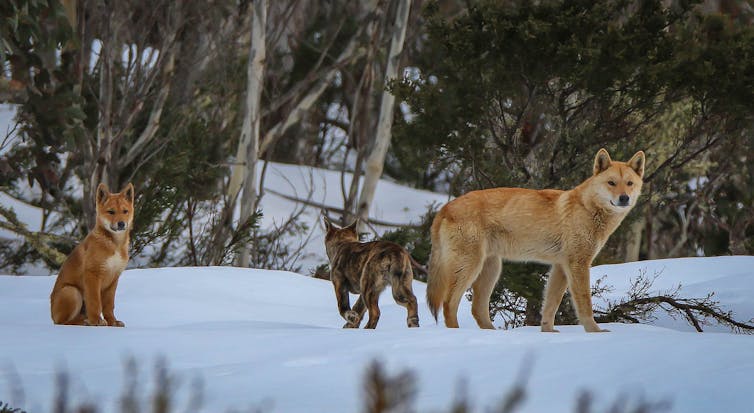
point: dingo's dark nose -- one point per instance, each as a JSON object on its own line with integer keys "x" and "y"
{"x": 121, "y": 226}
{"x": 623, "y": 200}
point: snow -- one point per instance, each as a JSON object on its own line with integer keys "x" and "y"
{"x": 730, "y": 278}
{"x": 273, "y": 338}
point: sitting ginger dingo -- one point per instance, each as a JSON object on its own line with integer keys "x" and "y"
{"x": 473, "y": 233}
{"x": 85, "y": 288}
{"x": 366, "y": 268}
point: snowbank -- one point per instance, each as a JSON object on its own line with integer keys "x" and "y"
{"x": 271, "y": 337}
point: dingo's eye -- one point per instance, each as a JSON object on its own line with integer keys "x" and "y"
{"x": 611, "y": 183}
{"x": 629, "y": 183}
{"x": 125, "y": 211}
{"x": 111, "y": 212}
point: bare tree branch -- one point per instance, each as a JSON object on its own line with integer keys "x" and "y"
{"x": 38, "y": 240}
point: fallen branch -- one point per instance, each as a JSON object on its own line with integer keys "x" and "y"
{"x": 692, "y": 309}
{"x": 640, "y": 306}
{"x": 38, "y": 240}
{"x": 337, "y": 210}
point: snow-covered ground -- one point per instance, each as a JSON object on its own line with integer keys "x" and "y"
{"x": 730, "y": 278}
{"x": 274, "y": 338}
{"x": 257, "y": 337}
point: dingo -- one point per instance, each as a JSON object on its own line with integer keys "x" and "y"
{"x": 472, "y": 234}
{"x": 85, "y": 288}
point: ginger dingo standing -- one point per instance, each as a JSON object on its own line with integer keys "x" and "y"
{"x": 472, "y": 234}
{"x": 85, "y": 288}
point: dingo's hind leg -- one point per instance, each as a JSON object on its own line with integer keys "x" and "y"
{"x": 371, "y": 298}
{"x": 66, "y": 306}
{"x": 465, "y": 274}
{"x": 403, "y": 294}
{"x": 482, "y": 288}
{"x": 554, "y": 291}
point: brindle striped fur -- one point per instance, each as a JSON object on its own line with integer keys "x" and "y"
{"x": 366, "y": 269}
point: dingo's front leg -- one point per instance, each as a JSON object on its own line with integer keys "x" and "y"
{"x": 578, "y": 284}
{"x": 344, "y": 303}
{"x": 108, "y": 306}
{"x": 93, "y": 300}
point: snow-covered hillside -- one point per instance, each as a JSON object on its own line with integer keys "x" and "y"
{"x": 274, "y": 338}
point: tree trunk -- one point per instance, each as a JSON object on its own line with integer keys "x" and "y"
{"x": 633, "y": 244}
{"x": 532, "y": 316}
{"x": 244, "y": 171}
{"x": 649, "y": 227}
{"x": 737, "y": 240}
{"x": 101, "y": 156}
{"x": 306, "y": 101}
{"x": 376, "y": 159}
{"x": 360, "y": 126}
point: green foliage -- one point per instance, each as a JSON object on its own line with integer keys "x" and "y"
{"x": 712, "y": 63}
{"x": 30, "y": 34}
{"x": 489, "y": 101}
{"x": 523, "y": 94}
{"x": 29, "y": 28}
{"x": 189, "y": 170}
{"x": 517, "y": 298}
{"x": 415, "y": 238}
{"x": 515, "y": 93}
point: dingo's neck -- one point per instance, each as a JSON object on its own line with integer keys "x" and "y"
{"x": 118, "y": 239}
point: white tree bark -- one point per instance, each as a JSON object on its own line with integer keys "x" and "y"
{"x": 149, "y": 132}
{"x": 305, "y": 102}
{"x": 376, "y": 159}
{"x": 244, "y": 173}
{"x": 101, "y": 155}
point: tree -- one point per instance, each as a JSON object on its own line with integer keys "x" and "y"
{"x": 83, "y": 123}
{"x": 376, "y": 159}
{"x": 243, "y": 173}
{"x": 518, "y": 94}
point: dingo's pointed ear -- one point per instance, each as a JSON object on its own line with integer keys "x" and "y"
{"x": 353, "y": 225}
{"x": 602, "y": 161}
{"x": 128, "y": 192}
{"x": 101, "y": 193}
{"x": 328, "y": 224}
{"x": 637, "y": 163}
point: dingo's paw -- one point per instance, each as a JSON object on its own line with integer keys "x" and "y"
{"x": 352, "y": 318}
{"x": 413, "y": 322}
{"x": 116, "y": 323}
{"x": 97, "y": 323}
{"x": 549, "y": 329}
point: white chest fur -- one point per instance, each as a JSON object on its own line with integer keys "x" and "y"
{"x": 115, "y": 264}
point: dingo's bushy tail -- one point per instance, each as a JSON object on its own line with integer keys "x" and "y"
{"x": 437, "y": 282}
